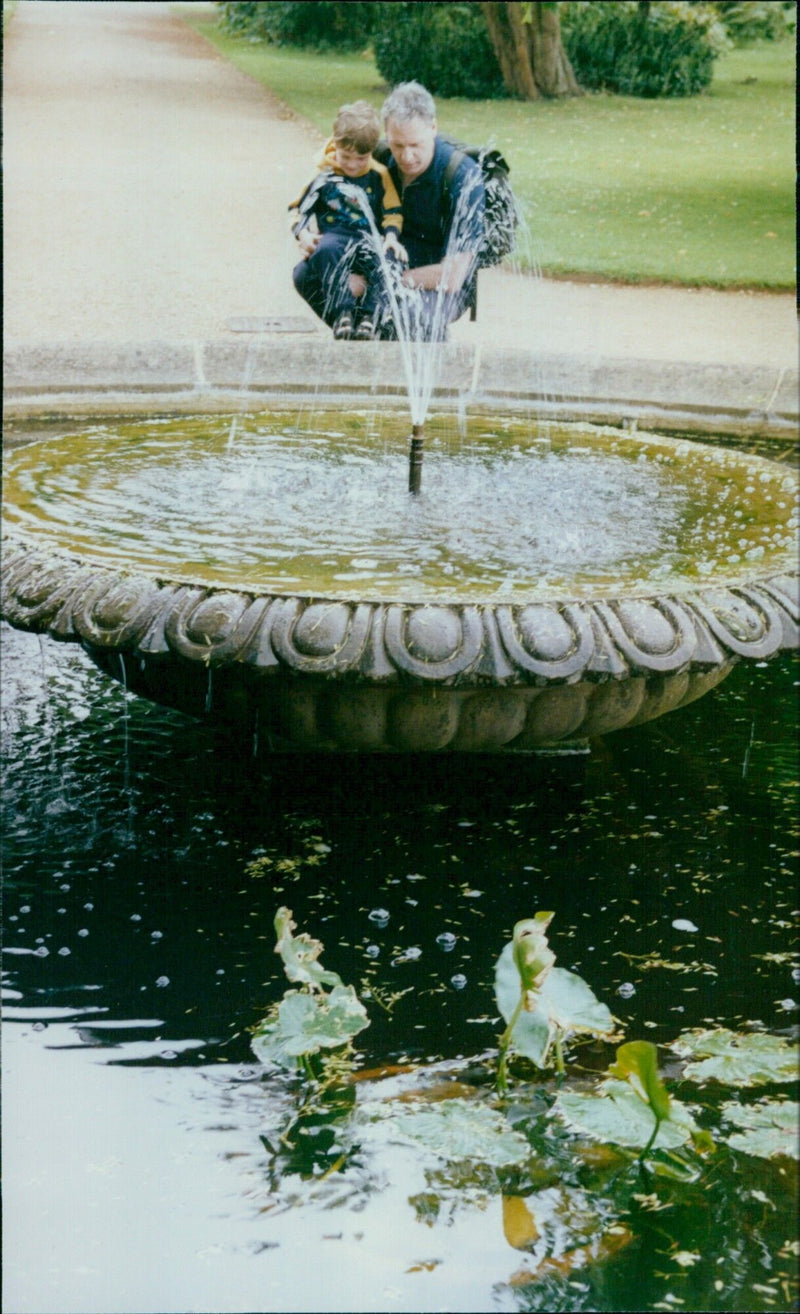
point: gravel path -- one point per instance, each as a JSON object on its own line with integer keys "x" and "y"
{"x": 146, "y": 184}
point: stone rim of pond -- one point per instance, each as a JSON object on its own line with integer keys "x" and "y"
{"x": 133, "y": 377}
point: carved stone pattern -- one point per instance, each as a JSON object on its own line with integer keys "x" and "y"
{"x": 426, "y": 644}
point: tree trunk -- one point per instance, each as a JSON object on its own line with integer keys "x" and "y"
{"x": 527, "y": 42}
{"x": 507, "y": 35}
{"x": 552, "y": 70}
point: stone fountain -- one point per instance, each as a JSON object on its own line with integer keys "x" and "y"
{"x": 543, "y": 662}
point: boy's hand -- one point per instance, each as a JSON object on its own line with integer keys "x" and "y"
{"x": 393, "y": 245}
{"x": 308, "y": 242}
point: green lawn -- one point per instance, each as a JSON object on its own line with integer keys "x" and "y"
{"x": 695, "y": 191}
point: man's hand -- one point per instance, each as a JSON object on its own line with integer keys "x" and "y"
{"x": 393, "y": 246}
{"x": 449, "y": 275}
{"x": 308, "y": 242}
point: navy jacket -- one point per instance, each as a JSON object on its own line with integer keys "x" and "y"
{"x": 438, "y": 218}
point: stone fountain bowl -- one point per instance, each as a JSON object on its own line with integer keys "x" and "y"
{"x": 309, "y": 670}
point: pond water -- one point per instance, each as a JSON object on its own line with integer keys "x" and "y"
{"x": 510, "y": 511}
{"x": 145, "y": 858}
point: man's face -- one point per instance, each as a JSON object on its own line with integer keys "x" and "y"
{"x": 412, "y": 145}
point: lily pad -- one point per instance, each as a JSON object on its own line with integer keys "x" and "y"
{"x": 459, "y": 1129}
{"x": 736, "y": 1058}
{"x": 769, "y": 1127}
{"x": 563, "y": 1001}
{"x": 617, "y": 1115}
{"x": 306, "y": 1024}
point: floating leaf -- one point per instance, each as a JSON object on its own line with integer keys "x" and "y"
{"x": 737, "y": 1058}
{"x": 459, "y": 1129}
{"x": 618, "y": 1115}
{"x": 637, "y": 1063}
{"x": 769, "y": 1127}
{"x": 305, "y": 1024}
{"x": 300, "y": 954}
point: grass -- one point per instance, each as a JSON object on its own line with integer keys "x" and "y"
{"x": 695, "y": 192}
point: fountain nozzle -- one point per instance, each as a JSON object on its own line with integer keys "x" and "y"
{"x": 415, "y": 458}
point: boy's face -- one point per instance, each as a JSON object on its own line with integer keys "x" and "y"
{"x": 412, "y": 144}
{"x": 349, "y": 162}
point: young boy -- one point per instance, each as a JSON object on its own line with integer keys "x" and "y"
{"x": 350, "y": 187}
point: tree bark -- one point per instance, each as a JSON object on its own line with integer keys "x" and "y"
{"x": 552, "y": 70}
{"x": 506, "y": 34}
{"x": 527, "y": 42}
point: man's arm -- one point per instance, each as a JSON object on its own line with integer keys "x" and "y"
{"x": 449, "y": 274}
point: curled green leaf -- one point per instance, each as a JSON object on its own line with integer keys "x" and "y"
{"x": 541, "y": 1003}
{"x": 300, "y": 954}
{"x": 533, "y": 956}
{"x": 637, "y": 1063}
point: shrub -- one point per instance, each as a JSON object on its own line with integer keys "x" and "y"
{"x": 757, "y": 20}
{"x": 317, "y": 24}
{"x": 660, "y": 49}
{"x": 444, "y": 46}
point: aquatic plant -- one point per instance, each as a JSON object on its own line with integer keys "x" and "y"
{"x": 313, "y": 1022}
{"x": 631, "y": 1107}
{"x": 736, "y": 1059}
{"x": 542, "y": 1004}
{"x": 312, "y": 1028}
{"x": 767, "y": 1129}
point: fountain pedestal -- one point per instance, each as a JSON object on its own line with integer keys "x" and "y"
{"x": 375, "y": 671}
{"x": 373, "y": 677}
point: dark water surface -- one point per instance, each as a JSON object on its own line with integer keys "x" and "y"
{"x": 145, "y": 857}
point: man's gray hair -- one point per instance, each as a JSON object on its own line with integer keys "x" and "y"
{"x": 409, "y": 100}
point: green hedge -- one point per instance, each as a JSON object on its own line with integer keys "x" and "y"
{"x": 660, "y": 49}
{"x": 664, "y": 48}
{"x": 746, "y": 21}
{"x": 446, "y": 47}
{"x": 315, "y": 24}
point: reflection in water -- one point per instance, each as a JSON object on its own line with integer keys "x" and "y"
{"x": 144, "y": 861}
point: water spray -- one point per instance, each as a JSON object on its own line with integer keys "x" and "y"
{"x": 415, "y": 458}
{"x": 419, "y": 332}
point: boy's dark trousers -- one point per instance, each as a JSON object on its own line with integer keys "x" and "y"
{"x": 323, "y": 282}
{"x": 323, "y": 279}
